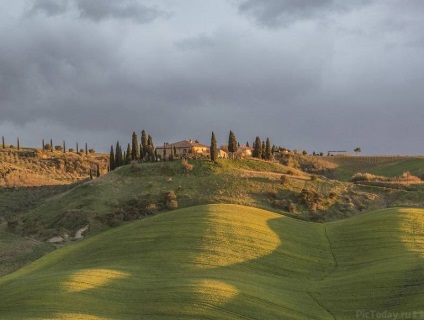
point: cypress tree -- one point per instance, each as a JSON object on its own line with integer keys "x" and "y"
{"x": 98, "y": 170}
{"x": 263, "y": 150}
{"x": 51, "y": 145}
{"x": 121, "y": 156}
{"x": 117, "y": 151}
{"x": 213, "y": 148}
{"x": 43, "y": 144}
{"x": 18, "y": 144}
{"x": 150, "y": 147}
{"x": 118, "y": 155}
{"x": 268, "y": 153}
{"x": 91, "y": 174}
{"x": 111, "y": 159}
{"x": 247, "y": 144}
{"x": 77, "y": 150}
{"x": 86, "y": 149}
{"x": 164, "y": 151}
{"x": 129, "y": 154}
{"x": 2, "y": 141}
{"x": 135, "y": 153}
{"x": 232, "y": 144}
{"x": 64, "y": 146}
{"x": 143, "y": 149}
{"x": 171, "y": 156}
{"x": 257, "y": 148}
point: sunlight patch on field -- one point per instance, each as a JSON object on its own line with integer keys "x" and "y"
{"x": 215, "y": 292}
{"x": 89, "y": 279}
{"x": 413, "y": 230}
{"x": 76, "y": 316}
{"x": 236, "y": 236}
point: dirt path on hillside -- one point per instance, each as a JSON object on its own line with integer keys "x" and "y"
{"x": 252, "y": 173}
{"x": 78, "y": 234}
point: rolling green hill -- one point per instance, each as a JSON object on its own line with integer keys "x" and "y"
{"x": 136, "y": 190}
{"x": 133, "y": 191}
{"x": 228, "y": 262}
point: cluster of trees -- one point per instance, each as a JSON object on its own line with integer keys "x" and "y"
{"x": 140, "y": 151}
{"x": 172, "y": 153}
{"x": 50, "y": 147}
{"x": 262, "y": 150}
{"x": 3, "y": 143}
{"x": 144, "y": 150}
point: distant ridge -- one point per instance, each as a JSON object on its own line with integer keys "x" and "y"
{"x": 33, "y": 167}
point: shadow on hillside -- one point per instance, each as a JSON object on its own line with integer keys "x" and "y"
{"x": 385, "y": 275}
{"x": 294, "y": 280}
{"x": 409, "y": 290}
{"x": 280, "y": 290}
{"x": 276, "y": 285}
{"x": 271, "y": 286}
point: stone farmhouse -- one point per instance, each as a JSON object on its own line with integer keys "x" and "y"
{"x": 187, "y": 148}
{"x": 244, "y": 152}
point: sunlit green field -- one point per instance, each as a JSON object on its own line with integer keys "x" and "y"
{"x": 388, "y": 166}
{"x": 228, "y": 262}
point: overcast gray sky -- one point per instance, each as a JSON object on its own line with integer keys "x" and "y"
{"x": 310, "y": 74}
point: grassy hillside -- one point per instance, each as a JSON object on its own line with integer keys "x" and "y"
{"x": 228, "y": 262}
{"x": 388, "y": 166}
{"x": 379, "y": 263}
{"x": 137, "y": 190}
{"x": 17, "y": 251}
{"x": 16, "y": 200}
{"x": 33, "y": 167}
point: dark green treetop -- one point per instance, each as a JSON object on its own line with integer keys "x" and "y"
{"x": 213, "y": 148}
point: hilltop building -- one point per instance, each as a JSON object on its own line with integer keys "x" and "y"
{"x": 187, "y": 148}
{"x": 244, "y": 152}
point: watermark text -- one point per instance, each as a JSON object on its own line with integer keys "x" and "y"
{"x": 385, "y": 314}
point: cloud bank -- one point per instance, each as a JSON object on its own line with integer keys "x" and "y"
{"x": 318, "y": 75}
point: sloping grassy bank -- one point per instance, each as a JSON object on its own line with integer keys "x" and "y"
{"x": 228, "y": 262}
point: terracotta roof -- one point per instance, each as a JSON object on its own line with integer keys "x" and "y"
{"x": 195, "y": 144}
{"x": 184, "y": 144}
{"x": 245, "y": 148}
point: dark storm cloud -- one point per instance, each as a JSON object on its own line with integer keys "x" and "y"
{"x": 124, "y": 9}
{"x": 273, "y": 13}
{"x": 198, "y": 42}
{"x": 98, "y": 10}
{"x": 42, "y": 72}
{"x": 49, "y": 7}
{"x": 354, "y": 80}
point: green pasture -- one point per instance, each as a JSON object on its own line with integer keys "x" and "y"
{"x": 388, "y": 166}
{"x": 228, "y": 262}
